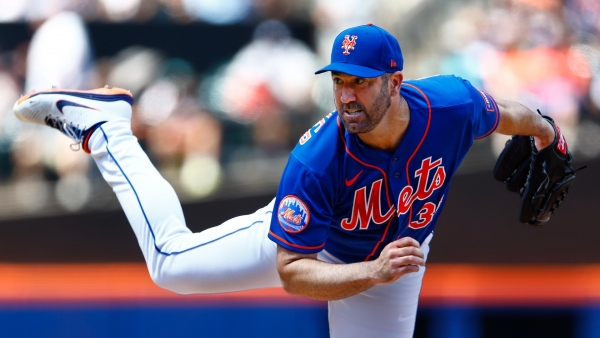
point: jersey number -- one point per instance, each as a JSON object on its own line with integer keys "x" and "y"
{"x": 425, "y": 215}
{"x": 315, "y": 129}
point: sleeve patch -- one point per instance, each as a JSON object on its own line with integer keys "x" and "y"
{"x": 293, "y": 214}
{"x": 489, "y": 105}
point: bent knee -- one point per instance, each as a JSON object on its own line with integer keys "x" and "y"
{"x": 177, "y": 283}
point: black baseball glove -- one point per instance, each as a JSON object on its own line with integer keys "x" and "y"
{"x": 542, "y": 178}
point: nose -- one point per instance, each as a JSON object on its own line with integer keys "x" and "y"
{"x": 347, "y": 95}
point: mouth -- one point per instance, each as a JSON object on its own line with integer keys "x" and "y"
{"x": 352, "y": 114}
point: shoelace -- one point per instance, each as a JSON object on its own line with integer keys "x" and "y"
{"x": 68, "y": 129}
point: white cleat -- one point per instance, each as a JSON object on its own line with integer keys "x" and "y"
{"x": 74, "y": 112}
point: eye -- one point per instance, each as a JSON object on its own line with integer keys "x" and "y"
{"x": 337, "y": 80}
{"x": 359, "y": 80}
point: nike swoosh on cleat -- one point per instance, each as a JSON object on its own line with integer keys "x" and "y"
{"x": 60, "y": 104}
{"x": 351, "y": 182}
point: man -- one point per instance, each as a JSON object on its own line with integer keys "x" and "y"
{"x": 366, "y": 185}
{"x": 357, "y": 203}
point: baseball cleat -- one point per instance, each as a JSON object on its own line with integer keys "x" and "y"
{"x": 74, "y": 112}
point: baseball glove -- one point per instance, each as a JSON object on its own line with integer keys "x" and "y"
{"x": 542, "y": 178}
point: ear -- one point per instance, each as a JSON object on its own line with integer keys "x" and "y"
{"x": 395, "y": 82}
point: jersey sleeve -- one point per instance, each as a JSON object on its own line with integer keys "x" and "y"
{"x": 486, "y": 114}
{"x": 303, "y": 209}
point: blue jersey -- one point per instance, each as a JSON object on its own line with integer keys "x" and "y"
{"x": 339, "y": 195}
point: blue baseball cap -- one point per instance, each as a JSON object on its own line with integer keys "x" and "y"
{"x": 365, "y": 51}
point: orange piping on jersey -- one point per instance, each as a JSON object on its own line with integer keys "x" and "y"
{"x": 365, "y": 164}
{"x": 387, "y": 193}
{"x": 296, "y": 245}
{"x": 420, "y": 143}
{"x": 102, "y": 91}
{"x": 495, "y": 123}
{"x": 387, "y": 227}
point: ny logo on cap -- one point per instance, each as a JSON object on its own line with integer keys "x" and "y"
{"x": 348, "y": 44}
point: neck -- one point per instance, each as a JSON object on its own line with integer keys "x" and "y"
{"x": 391, "y": 130}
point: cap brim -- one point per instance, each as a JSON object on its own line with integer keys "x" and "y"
{"x": 351, "y": 69}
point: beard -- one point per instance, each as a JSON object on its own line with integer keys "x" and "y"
{"x": 373, "y": 115}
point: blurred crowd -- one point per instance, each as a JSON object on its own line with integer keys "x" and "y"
{"x": 178, "y": 11}
{"x": 542, "y": 53}
{"x": 234, "y": 125}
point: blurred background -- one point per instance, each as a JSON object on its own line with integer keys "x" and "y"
{"x": 224, "y": 89}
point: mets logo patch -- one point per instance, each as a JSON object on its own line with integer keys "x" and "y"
{"x": 293, "y": 214}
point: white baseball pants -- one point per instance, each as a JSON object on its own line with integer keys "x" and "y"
{"x": 234, "y": 256}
